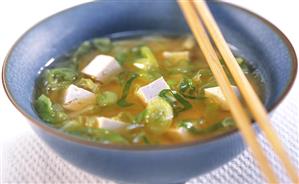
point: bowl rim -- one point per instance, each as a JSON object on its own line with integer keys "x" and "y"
{"x": 78, "y": 140}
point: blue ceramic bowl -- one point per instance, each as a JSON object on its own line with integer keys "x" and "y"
{"x": 256, "y": 39}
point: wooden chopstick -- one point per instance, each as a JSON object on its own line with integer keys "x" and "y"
{"x": 241, "y": 117}
{"x": 254, "y": 104}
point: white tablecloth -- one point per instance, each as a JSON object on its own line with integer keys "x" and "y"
{"x": 26, "y": 159}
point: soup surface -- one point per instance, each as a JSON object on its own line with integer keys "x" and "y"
{"x": 144, "y": 90}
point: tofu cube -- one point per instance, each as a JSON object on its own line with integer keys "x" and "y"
{"x": 102, "y": 68}
{"x": 76, "y": 98}
{"x": 177, "y": 56}
{"x": 110, "y": 124}
{"x": 189, "y": 43}
{"x": 216, "y": 94}
{"x": 152, "y": 90}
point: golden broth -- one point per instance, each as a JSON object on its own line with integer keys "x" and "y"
{"x": 204, "y": 108}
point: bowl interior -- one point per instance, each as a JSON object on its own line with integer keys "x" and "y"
{"x": 253, "y": 38}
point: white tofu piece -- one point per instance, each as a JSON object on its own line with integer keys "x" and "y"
{"x": 216, "y": 94}
{"x": 110, "y": 124}
{"x": 152, "y": 90}
{"x": 102, "y": 68}
{"x": 177, "y": 56}
{"x": 189, "y": 43}
{"x": 76, "y": 98}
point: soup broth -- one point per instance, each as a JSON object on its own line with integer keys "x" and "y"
{"x": 146, "y": 90}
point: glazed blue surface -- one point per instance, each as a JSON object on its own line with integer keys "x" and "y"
{"x": 57, "y": 35}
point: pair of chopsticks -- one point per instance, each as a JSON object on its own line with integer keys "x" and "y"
{"x": 198, "y": 15}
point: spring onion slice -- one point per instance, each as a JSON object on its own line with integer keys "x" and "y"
{"x": 172, "y": 97}
{"x": 122, "y": 101}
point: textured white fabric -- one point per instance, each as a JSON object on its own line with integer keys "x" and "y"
{"x": 27, "y": 160}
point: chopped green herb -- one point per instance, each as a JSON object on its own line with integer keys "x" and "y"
{"x": 209, "y": 84}
{"x": 240, "y": 60}
{"x": 172, "y": 83}
{"x": 140, "y": 117}
{"x": 60, "y": 115}
{"x": 122, "y": 101}
{"x": 44, "y": 108}
{"x": 79, "y": 122}
{"x": 106, "y": 98}
{"x": 245, "y": 68}
{"x": 149, "y": 75}
{"x": 228, "y": 122}
{"x": 99, "y": 135}
{"x": 88, "y": 84}
{"x": 202, "y": 73}
{"x": 85, "y": 127}
{"x": 108, "y": 137}
{"x": 159, "y": 115}
{"x": 72, "y": 125}
{"x": 102, "y": 44}
{"x": 58, "y": 78}
{"x": 148, "y": 54}
{"x": 121, "y": 55}
{"x": 178, "y": 103}
{"x": 49, "y": 112}
{"x": 188, "y": 89}
{"x": 83, "y": 49}
{"x": 187, "y": 84}
{"x": 136, "y": 53}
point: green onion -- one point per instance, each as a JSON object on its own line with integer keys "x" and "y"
{"x": 98, "y": 135}
{"x": 148, "y": 54}
{"x": 58, "y": 78}
{"x": 102, "y": 44}
{"x": 121, "y": 55}
{"x": 88, "y": 84}
{"x": 159, "y": 115}
{"x": 178, "y": 103}
{"x": 172, "y": 83}
{"x": 83, "y": 49}
{"x": 245, "y": 68}
{"x": 209, "y": 84}
{"x": 139, "y": 117}
{"x": 149, "y": 75}
{"x": 106, "y": 98}
{"x": 44, "y": 108}
{"x": 122, "y": 101}
{"x": 84, "y": 126}
{"x": 188, "y": 90}
{"x": 193, "y": 126}
{"x": 52, "y": 113}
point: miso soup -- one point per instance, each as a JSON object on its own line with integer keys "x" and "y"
{"x": 144, "y": 90}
